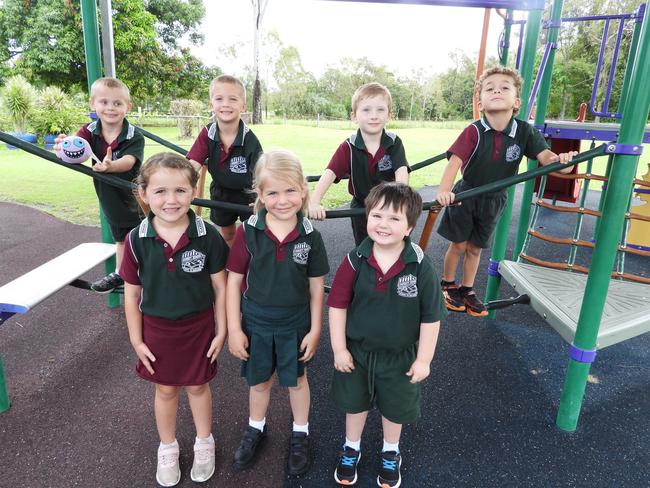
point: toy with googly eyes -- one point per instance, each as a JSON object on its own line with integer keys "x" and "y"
{"x": 75, "y": 150}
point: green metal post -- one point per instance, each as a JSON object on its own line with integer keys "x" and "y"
{"x": 540, "y": 118}
{"x": 533, "y": 25}
{"x": 507, "y": 27}
{"x": 635, "y": 107}
{"x": 93, "y": 72}
{"x": 5, "y": 403}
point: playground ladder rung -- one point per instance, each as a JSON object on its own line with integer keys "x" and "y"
{"x": 579, "y": 176}
{"x": 641, "y": 182}
{"x": 560, "y": 240}
{"x": 577, "y": 210}
{"x": 637, "y": 216}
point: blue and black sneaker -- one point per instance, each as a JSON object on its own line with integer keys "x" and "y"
{"x": 389, "y": 475}
{"x": 346, "y": 469}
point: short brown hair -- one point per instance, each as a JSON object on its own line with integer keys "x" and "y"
{"x": 371, "y": 90}
{"x": 166, "y": 160}
{"x": 517, "y": 80}
{"x": 281, "y": 164}
{"x": 399, "y": 197}
{"x": 231, "y": 80}
{"x": 108, "y": 82}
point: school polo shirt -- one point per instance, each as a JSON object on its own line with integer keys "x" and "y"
{"x": 384, "y": 311}
{"x": 232, "y": 169}
{"x": 365, "y": 170}
{"x": 119, "y": 204}
{"x": 489, "y": 155}
{"x": 277, "y": 273}
{"x": 175, "y": 282}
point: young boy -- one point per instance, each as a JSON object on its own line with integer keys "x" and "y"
{"x": 120, "y": 148}
{"x": 368, "y": 157}
{"x": 380, "y": 360}
{"x": 230, "y": 149}
{"x": 488, "y": 150}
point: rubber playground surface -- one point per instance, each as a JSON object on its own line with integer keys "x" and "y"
{"x": 81, "y": 417}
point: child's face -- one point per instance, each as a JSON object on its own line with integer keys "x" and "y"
{"x": 387, "y": 227}
{"x": 168, "y": 194}
{"x": 227, "y": 102}
{"x": 498, "y": 94}
{"x": 110, "y": 104}
{"x": 372, "y": 115}
{"x": 282, "y": 198}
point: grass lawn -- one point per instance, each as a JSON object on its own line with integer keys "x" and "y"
{"x": 70, "y": 196}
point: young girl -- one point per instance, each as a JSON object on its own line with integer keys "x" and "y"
{"x": 275, "y": 314}
{"x": 175, "y": 305}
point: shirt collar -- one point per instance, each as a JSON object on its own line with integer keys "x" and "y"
{"x": 510, "y": 130}
{"x": 213, "y": 133}
{"x": 387, "y": 140}
{"x": 258, "y": 221}
{"x": 195, "y": 229}
{"x": 126, "y": 133}
{"x": 412, "y": 253}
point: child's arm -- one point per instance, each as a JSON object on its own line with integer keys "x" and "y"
{"x": 237, "y": 340}
{"x": 119, "y": 165}
{"x": 427, "y": 346}
{"x": 133, "y": 314}
{"x": 310, "y": 342}
{"x": 219, "y": 287}
{"x": 445, "y": 196}
{"x": 343, "y": 361}
{"x": 402, "y": 175}
{"x": 196, "y": 165}
{"x": 316, "y": 210}
{"x": 547, "y": 157}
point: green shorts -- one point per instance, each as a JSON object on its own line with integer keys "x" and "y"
{"x": 475, "y": 219}
{"x": 274, "y": 337}
{"x": 379, "y": 378}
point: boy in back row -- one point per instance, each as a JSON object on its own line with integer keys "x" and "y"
{"x": 368, "y": 157}
{"x": 230, "y": 150}
{"x": 488, "y": 150}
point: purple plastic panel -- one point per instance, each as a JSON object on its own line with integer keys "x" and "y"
{"x": 507, "y": 4}
{"x": 639, "y": 247}
{"x": 4, "y": 316}
{"x": 582, "y": 355}
{"x": 588, "y": 133}
{"x": 627, "y": 149}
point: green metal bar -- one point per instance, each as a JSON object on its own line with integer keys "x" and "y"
{"x": 636, "y": 107}
{"x": 5, "y": 403}
{"x": 581, "y": 204}
{"x": 603, "y": 192}
{"x": 540, "y": 118}
{"x": 507, "y": 28}
{"x": 533, "y": 26}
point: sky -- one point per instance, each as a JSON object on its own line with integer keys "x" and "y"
{"x": 402, "y": 37}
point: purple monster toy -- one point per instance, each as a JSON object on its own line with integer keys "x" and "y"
{"x": 75, "y": 150}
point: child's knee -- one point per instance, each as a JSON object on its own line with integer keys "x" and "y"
{"x": 473, "y": 250}
{"x": 458, "y": 247}
{"x": 165, "y": 392}
{"x": 262, "y": 387}
{"x": 197, "y": 390}
{"x": 301, "y": 383}
{"x": 228, "y": 232}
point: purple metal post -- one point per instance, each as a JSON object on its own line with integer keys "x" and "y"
{"x": 599, "y": 65}
{"x": 612, "y": 72}
{"x": 538, "y": 78}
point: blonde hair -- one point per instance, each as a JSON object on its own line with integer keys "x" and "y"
{"x": 283, "y": 165}
{"x": 113, "y": 83}
{"x": 517, "y": 80}
{"x": 371, "y": 90}
{"x": 166, "y": 160}
{"x": 231, "y": 80}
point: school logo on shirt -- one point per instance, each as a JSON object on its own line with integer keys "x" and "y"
{"x": 385, "y": 163}
{"x": 301, "y": 252}
{"x": 238, "y": 164}
{"x": 192, "y": 261}
{"x": 512, "y": 153}
{"x": 407, "y": 286}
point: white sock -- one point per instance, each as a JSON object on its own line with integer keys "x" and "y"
{"x": 204, "y": 440}
{"x": 171, "y": 444}
{"x": 301, "y": 428}
{"x": 356, "y": 445}
{"x": 258, "y": 424}
{"x": 390, "y": 447}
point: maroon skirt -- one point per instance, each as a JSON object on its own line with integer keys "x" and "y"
{"x": 180, "y": 348}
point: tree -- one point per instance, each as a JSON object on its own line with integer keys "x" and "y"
{"x": 259, "y": 8}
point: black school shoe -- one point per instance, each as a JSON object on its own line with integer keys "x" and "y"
{"x": 107, "y": 284}
{"x": 453, "y": 297}
{"x": 473, "y": 305}
{"x": 246, "y": 453}
{"x": 299, "y": 454}
{"x": 346, "y": 470}
{"x": 389, "y": 474}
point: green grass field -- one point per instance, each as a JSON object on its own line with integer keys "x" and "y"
{"x": 70, "y": 195}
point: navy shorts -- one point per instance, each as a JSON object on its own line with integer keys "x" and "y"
{"x": 224, "y": 218}
{"x": 475, "y": 219}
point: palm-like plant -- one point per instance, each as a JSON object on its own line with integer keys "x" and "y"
{"x": 17, "y": 99}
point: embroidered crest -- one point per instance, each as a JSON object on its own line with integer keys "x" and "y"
{"x": 238, "y": 164}
{"x": 512, "y": 153}
{"x": 407, "y": 286}
{"x": 385, "y": 163}
{"x": 192, "y": 261}
{"x": 301, "y": 252}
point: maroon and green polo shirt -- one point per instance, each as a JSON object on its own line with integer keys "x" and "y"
{"x": 489, "y": 155}
{"x": 277, "y": 273}
{"x": 232, "y": 169}
{"x": 385, "y": 311}
{"x": 365, "y": 170}
{"x": 175, "y": 282}
{"x": 119, "y": 204}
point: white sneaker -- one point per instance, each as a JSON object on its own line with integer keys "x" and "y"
{"x": 168, "y": 472}
{"x": 203, "y": 466}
